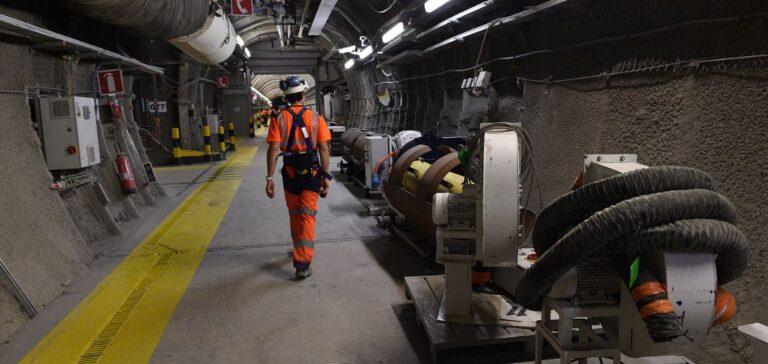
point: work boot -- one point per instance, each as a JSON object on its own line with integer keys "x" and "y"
{"x": 303, "y": 273}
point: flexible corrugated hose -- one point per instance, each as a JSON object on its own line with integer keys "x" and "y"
{"x": 160, "y": 19}
{"x": 667, "y": 208}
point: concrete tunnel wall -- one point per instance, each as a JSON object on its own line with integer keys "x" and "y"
{"x": 716, "y": 123}
{"x": 39, "y": 241}
{"x": 48, "y": 239}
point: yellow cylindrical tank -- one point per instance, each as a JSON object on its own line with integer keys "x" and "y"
{"x": 452, "y": 182}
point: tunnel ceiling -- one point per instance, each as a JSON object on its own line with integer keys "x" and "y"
{"x": 350, "y": 20}
{"x": 268, "y": 85}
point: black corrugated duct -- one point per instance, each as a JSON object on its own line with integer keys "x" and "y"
{"x": 667, "y": 208}
{"x": 160, "y": 19}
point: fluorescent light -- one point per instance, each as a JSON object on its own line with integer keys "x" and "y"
{"x": 321, "y": 16}
{"x": 260, "y": 95}
{"x": 454, "y": 18}
{"x": 432, "y": 5}
{"x": 365, "y": 52}
{"x": 247, "y": 52}
{"x": 393, "y": 32}
{"x": 240, "y": 41}
{"x": 349, "y": 64}
{"x": 346, "y": 50}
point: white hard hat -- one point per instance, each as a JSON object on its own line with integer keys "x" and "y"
{"x": 293, "y": 85}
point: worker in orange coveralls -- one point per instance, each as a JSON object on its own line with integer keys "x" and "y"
{"x": 298, "y": 135}
{"x": 265, "y": 116}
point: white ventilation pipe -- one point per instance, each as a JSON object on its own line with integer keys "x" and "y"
{"x": 213, "y": 43}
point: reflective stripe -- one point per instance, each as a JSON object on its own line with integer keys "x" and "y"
{"x": 315, "y": 125}
{"x": 306, "y": 244}
{"x": 281, "y": 122}
{"x": 303, "y": 211}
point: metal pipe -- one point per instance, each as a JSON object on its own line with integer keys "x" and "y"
{"x": 303, "y": 19}
{"x": 512, "y": 19}
{"x": 13, "y": 286}
{"x": 37, "y": 33}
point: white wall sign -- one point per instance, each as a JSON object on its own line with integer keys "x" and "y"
{"x": 158, "y": 106}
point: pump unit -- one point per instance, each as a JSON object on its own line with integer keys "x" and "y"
{"x": 365, "y": 157}
{"x": 70, "y": 135}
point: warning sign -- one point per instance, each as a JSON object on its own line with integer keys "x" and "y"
{"x": 222, "y": 82}
{"x": 242, "y": 7}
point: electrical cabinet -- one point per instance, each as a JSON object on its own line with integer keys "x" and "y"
{"x": 377, "y": 147}
{"x": 70, "y": 135}
{"x": 213, "y": 122}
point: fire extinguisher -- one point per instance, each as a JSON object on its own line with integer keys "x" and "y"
{"x": 127, "y": 182}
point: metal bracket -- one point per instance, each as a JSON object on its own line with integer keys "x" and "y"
{"x": 10, "y": 281}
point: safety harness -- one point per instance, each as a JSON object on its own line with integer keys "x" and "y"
{"x": 305, "y": 163}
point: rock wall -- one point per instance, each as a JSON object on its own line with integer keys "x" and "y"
{"x": 47, "y": 239}
{"x": 714, "y": 122}
{"x": 38, "y": 239}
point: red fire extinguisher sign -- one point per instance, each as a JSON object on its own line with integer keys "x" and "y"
{"x": 110, "y": 82}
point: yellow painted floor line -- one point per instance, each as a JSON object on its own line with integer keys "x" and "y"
{"x": 259, "y": 133}
{"x": 191, "y": 167}
{"x": 123, "y": 319}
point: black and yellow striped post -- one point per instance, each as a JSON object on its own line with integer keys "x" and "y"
{"x": 207, "y": 147}
{"x": 222, "y": 142}
{"x": 232, "y": 135}
{"x": 176, "y": 136}
{"x": 251, "y": 129}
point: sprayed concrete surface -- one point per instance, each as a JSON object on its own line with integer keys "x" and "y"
{"x": 48, "y": 239}
{"x": 716, "y": 123}
{"x": 40, "y": 243}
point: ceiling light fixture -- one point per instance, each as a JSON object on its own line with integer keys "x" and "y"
{"x": 349, "y": 64}
{"x": 247, "y": 52}
{"x": 393, "y": 32}
{"x": 240, "y": 41}
{"x": 346, "y": 50}
{"x": 432, "y": 5}
{"x": 365, "y": 52}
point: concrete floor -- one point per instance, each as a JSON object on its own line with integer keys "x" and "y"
{"x": 243, "y": 305}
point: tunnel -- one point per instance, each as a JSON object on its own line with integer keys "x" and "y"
{"x": 383, "y": 181}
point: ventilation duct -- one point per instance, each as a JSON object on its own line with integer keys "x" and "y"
{"x": 211, "y": 44}
{"x": 197, "y": 27}
{"x": 159, "y": 19}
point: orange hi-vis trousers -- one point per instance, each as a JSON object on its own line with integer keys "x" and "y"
{"x": 302, "y": 210}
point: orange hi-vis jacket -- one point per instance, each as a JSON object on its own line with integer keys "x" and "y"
{"x": 317, "y": 130}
